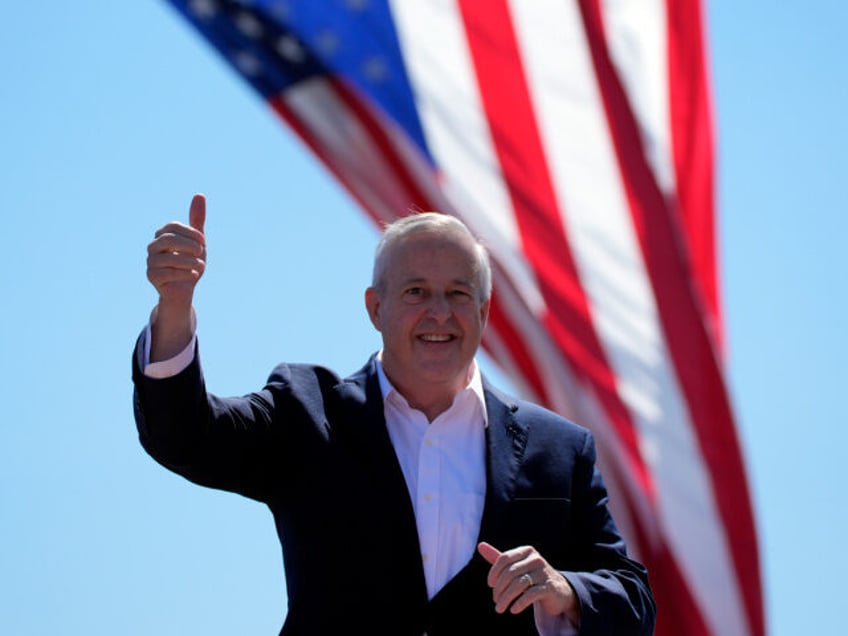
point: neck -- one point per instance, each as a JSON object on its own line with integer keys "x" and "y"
{"x": 430, "y": 398}
{"x": 431, "y": 408}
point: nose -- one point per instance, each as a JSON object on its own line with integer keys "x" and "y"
{"x": 439, "y": 307}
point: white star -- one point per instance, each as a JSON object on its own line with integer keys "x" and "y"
{"x": 280, "y": 9}
{"x": 327, "y": 42}
{"x": 290, "y": 49}
{"x": 247, "y": 63}
{"x": 375, "y": 69}
{"x": 249, "y": 25}
{"x": 203, "y": 9}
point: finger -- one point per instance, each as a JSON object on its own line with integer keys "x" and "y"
{"x": 197, "y": 212}
{"x": 163, "y": 277}
{"x": 494, "y": 557}
{"x": 175, "y": 228}
{"x": 510, "y": 593}
{"x": 161, "y": 271}
{"x": 515, "y": 578}
{"x": 488, "y": 552}
{"x": 175, "y": 260}
{"x": 528, "y": 597}
{"x": 176, "y": 244}
{"x": 504, "y": 568}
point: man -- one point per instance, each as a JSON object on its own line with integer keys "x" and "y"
{"x": 411, "y": 497}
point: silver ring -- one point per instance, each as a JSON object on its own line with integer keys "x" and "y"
{"x": 527, "y": 579}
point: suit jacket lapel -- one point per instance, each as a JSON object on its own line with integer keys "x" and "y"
{"x": 376, "y": 445}
{"x": 506, "y": 439}
{"x": 368, "y": 435}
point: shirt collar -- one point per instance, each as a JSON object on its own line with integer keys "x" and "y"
{"x": 474, "y": 386}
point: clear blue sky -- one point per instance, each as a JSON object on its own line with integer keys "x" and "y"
{"x": 114, "y": 113}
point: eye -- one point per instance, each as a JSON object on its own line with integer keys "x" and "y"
{"x": 461, "y": 295}
{"x": 413, "y": 294}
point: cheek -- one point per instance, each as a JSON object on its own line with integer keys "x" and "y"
{"x": 394, "y": 323}
{"x": 471, "y": 318}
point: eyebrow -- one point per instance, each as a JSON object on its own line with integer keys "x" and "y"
{"x": 416, "y": 280}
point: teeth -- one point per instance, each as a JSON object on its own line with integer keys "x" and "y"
{"x": 432, "y": 337}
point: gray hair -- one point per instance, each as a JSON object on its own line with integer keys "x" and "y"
{"x": 432, "y": 223}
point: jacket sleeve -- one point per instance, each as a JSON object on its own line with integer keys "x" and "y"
{"x": 230, "y": 444}
{"x": 613, "y": 589}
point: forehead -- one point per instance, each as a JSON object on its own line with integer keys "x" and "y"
{"x": 427, "y": 255}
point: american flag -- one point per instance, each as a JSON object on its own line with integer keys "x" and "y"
{"x": 575, "y": 137}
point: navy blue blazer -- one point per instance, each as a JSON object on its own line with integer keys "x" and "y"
{"x": 314, "y": 447}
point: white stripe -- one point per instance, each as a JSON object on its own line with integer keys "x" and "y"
{"x": 572, "y": 399}
{"x": 438, "y": 61}
{"x": 585, "y": 175}
{"x": 340, "y": 135}
{"x": 636, "y": 35}
{"x": 357, "y": 156}
{"x": 558, "y": 382}
{"x": 418, "y": 167}
{"x": 496, "y": 350}
{"x": 578, "y": 403}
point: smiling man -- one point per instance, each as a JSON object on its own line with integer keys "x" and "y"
{"x": 411, "y": 497}
{"x": 429, "y": 300}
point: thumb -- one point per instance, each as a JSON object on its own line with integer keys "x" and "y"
{"x": 488, "y": 552}
{"x": 197, "y": 212}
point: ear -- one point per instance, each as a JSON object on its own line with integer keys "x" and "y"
{"x": 372, "y": 304}
{"x": 484, "y": 312}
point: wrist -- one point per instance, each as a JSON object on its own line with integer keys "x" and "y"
{"x": 172, "y": 327}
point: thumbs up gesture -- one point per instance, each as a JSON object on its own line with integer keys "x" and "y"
{"x": 176, "y": 259}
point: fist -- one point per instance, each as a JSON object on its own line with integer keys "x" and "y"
{"x": 176, "y": 257}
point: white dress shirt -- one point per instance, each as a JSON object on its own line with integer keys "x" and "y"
{"x": 444, "y": 463}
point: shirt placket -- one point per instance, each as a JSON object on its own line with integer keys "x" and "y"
{"x": 429, "y": 506}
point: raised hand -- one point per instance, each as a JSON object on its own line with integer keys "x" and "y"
{"x": 176, "y": 259}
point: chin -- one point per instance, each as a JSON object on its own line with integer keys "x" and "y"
{"x": 441, "y": 374}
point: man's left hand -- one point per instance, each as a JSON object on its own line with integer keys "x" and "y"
{"x": 521, "y": 577}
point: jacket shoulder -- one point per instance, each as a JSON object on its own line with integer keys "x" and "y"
{"x": 315, "y": 384}
{"x": 542, "y": 421}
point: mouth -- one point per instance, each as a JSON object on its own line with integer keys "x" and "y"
{"x": 436, "y": 337}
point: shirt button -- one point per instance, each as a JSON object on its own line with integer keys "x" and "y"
{"x": 428, "y": 442}
{"x": 425, "y": 558}
{"x": 428, "y": 497}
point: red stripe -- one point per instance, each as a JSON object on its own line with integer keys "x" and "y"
{"x": 376, "y": 129}
{"x": 692, "y": 144}
{"x": 499, "y": 321}
{"x": 397, "y": 171}
{"x": 506, "y": 100}
{"x": 279, "y": 106}
{"x": 693, "y": 355}
{"x": 692, "y": 131}
{"x": 679, "y": 614}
